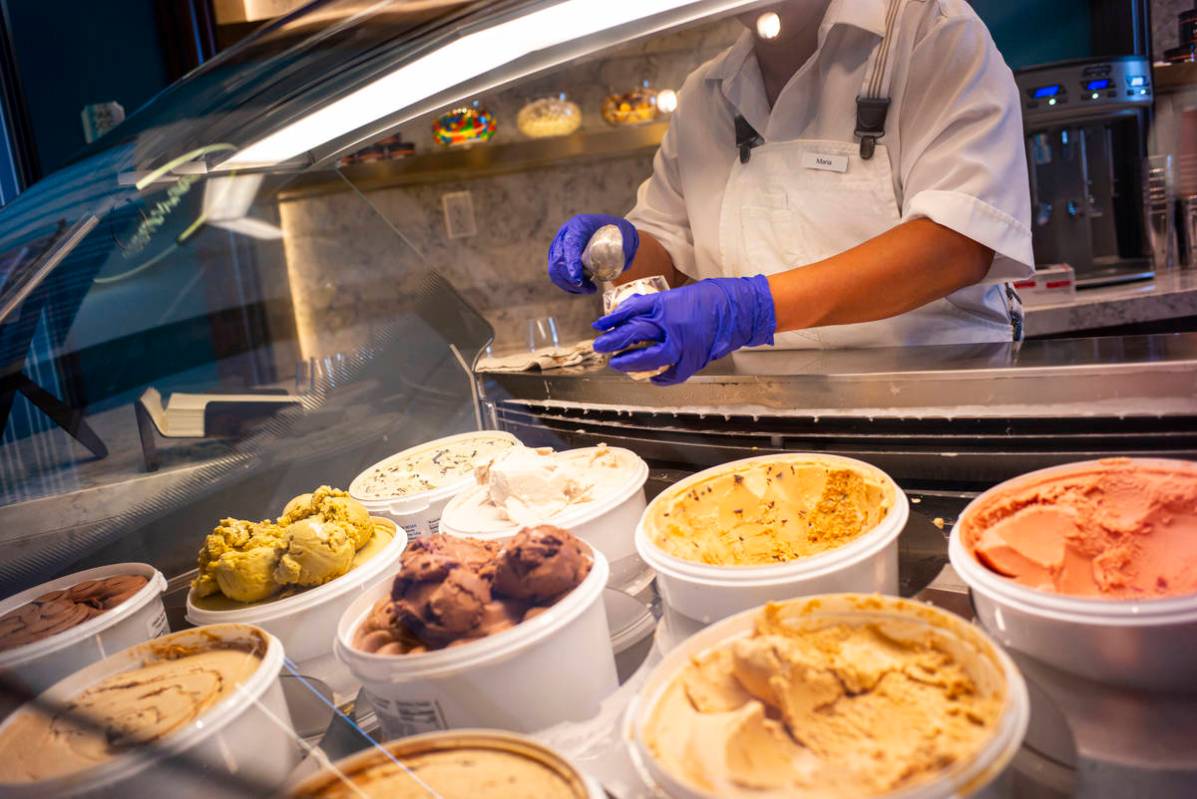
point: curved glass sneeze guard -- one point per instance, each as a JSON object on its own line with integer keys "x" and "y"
{"x": 189, "y": 337}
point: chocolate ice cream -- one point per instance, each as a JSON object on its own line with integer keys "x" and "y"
{"x": 56, "y": 611}
{"x": 540, "y": 563}
{"x": 452, "y": 590}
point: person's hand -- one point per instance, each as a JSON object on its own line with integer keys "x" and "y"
{"x": 565, "y": 253}
{"x": 687, "y": 328}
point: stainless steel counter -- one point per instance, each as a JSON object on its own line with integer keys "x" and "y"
{"x": 940, "y": 417}
{"x": 1170, "y": 296}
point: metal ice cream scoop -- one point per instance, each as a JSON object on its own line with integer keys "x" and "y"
{"x": 603, "y": 257}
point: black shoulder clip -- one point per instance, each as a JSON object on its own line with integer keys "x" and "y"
{"x": 870, "y": 122}
{"x": 746, "y": 138}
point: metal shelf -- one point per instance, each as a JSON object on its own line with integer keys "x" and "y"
{"x": 480, "y": 160}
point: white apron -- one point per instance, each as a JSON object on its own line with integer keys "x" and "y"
{"x": 797, "y": 202}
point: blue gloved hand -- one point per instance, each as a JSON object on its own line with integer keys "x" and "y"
{"x": 688, "y": 327}
{"x": 565, "y": 253}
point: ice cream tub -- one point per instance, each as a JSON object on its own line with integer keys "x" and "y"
{"x": 140, "y": 617}
{"x": 831, "y": 696}
{"x": 604, "y": 513}
{"x": 461, "y": 764}
{"x": 1090, "y": 567}
{"x": 306, "y": 622}
{"x": 197, "y": 713}
{"x": 729, "y": 538}
{"x": 413, "y": 486}
{"x": 557, "y": 666}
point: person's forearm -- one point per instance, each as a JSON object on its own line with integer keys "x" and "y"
{"x": 904, "y": 268}
{"x": 652, "y": 259}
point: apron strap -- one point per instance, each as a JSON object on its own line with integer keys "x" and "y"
{"x": 872, "y": 104}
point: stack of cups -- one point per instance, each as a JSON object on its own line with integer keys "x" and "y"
{"x": 1159, "y": 200}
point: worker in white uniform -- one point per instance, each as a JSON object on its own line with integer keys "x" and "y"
{"x": 857, "y": 180}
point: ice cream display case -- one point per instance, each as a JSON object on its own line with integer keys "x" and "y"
{"x": 272, "y": 526}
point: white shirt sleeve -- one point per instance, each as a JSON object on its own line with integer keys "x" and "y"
{"x": 660, "y": 207}
{"x": 963, "y": 158}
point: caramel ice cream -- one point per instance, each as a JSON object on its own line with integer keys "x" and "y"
{"x": 431, "y": 467}
{"x": 534, "y": 486}
{"x": 319, "y": 537}
{"x": 453, "y": 590}
{"x": 452, "y": 766}
{"x": 58, "y": 611}
{"x": 823, "y": 709}
{"x": 759, "y": 512}
{"x": 134, "y": 708}
{"x": 1119, "y": 528}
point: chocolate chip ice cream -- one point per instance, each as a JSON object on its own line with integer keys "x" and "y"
{"x": 452, "y": 590}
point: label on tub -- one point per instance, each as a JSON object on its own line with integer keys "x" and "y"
{"x": 157, "y": 625}
{"x": 417, "y": 529}
{"x": 400, "y": 717}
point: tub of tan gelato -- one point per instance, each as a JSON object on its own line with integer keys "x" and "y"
{"x": 463, "y": 764}
{"x": 294, "y": 576}
{"x": 1090, "y": 567}
{"x": 773, "y": 527}
{"x": 412, "y": 487}
{"x": 508, "y": 634}
{"x": 597, "y": 493}
{"x": 211, "y": 695}
{"x": 57, "y": 628}
{"x": 840, "y": 696}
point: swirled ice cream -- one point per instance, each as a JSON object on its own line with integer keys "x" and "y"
{"x": 132, "y": 708}
{"x": 58, "y": 611}
{"x": 429, "y": 467}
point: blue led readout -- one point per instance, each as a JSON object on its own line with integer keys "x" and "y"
{"x": 1098, "y": 85}
{"x": 1046, "y": 91}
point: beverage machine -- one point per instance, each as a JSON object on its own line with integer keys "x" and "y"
{"x": 1086, "y": 124}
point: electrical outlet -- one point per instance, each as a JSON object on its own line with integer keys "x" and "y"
{"x": 459, "y": 214}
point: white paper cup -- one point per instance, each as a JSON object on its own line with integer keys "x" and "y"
{"x": 419, "y": 514}
{"x": 557, "y": 666}
{"x": 248, "y": 733}
{"x": 1148, "y": 644}
{"x": 707, "y": 593}
{"x": 585, "y": 787}
{"x": 963, "y": 779}
{"x": 607, "y": 524}
{"x": 139, "y": 618}
{"x": 306, "y": 623}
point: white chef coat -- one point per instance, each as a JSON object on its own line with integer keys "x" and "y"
{"x": 953, "y": 137}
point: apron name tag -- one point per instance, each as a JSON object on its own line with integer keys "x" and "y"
{"x": 829, "y": 163}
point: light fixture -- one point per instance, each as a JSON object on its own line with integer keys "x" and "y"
{"x": 461, "y": 60}
{"x": 667, "y": 101}
{"x": 768, "y": 25}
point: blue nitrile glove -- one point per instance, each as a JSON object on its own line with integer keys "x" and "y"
{"x": 565, "y": 253}
{"x": 688, "y": 327}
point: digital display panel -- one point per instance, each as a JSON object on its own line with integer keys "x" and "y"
{"x": 1098, "y": 85}
{"x": 1041, "y": 92}
{"x": 1137, "y": 80}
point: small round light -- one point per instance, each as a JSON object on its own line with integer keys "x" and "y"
{"x": 1095, "y": 95}
{"x": 1052, "y": 101}
{"x": 768, "y": 25}
{"x": 1142, "y": 91}
{"x": 667, "y": 101}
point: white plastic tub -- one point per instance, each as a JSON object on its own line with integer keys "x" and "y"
{"x": 557, "y": 666}
{"x": 707, "y": 593}
{"x": 964, "y": 779}
{"x": 139, "y": 618}
{"x": 248, "y": 734}
{"x": 607, "y": 524}
{"x": 1147, "y": 644}
{"x": 585, "y": 787}
{"x": 420, "y": 514}
{"x": 306, "y": 623}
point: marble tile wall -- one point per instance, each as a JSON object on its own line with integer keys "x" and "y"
{"x": 1164, "y": 31}
{"x": 349, "y": 271}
